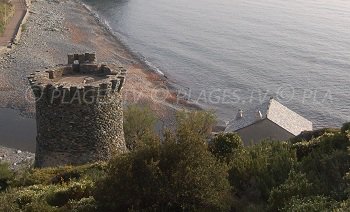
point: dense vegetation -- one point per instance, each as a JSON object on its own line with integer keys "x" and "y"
{"x": 186, "y": 169}
{"x": 6, "y": 12}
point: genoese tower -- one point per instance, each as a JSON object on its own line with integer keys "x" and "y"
{"x": 78, "y": 112}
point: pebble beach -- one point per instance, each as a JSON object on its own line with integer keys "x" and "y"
{"x": 54, "y": 29}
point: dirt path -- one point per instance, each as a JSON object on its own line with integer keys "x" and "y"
{"x": 15, "y": 22}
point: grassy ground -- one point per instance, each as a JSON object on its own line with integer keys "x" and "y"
{"x": 6, "y": 12}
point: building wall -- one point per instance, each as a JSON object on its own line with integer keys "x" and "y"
{"x": 264, "y": 129}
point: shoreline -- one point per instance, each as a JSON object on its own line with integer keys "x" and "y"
{"x": 56, "y": 28}
{"x": 145, "y": 65}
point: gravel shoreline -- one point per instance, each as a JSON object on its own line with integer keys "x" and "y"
{"x": 56, "y": 28}
{"x": 16, "y": 158}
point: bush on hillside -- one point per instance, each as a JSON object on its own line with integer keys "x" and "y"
{"x": 343, "y": 206}
{"x": 58, "y": 175}
{"x": 256, "y": 169}
{"x": 304, "y": 148}
{"x": 224, "y": 144}
{"x": 169, "y": 177}
{"x": 345, "y": 128}
{"x": 310, "y": 135}
{"x": 5, "y": 176}
{"x": 327, "y": 165}
{"x": 83, "y": 205}
{"x": 325, "y": 143}
{"x": 52, "y": 189}
{"x": 74, "y": 191}
{"x": 198, "y": 123}
{"x": 297, "y": 185}
{"x": 180, "y": 174}
{"x": 180, "y": 171}
{"x": 45, "y": 197}
{"x": 139, "y": 126}
{"x": 310, "y": 204}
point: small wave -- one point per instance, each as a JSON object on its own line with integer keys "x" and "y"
{"x": 98, "y": 18}
{"x": 104, "y": 23}
{"x": 153, "y": 67}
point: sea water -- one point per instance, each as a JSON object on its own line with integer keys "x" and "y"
{"x": 228, "y": 55}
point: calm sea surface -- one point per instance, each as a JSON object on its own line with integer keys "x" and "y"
{"x": 17, "y": 131}
{"x": 232, "y": 54}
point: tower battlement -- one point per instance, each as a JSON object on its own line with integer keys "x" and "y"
{"x": 79, "y": 79}
{"x": 78, "y": 111}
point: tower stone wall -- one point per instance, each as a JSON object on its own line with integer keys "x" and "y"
{"x": 78, "y": 112}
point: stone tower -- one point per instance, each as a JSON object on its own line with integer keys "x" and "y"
{"x": 78, "y": 112}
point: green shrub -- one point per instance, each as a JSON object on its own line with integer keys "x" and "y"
{"x": 347, "y": 183}
{"x": 33, "y": 176}
{"x": 139, "y": 125}
{"x": 345, "y": 128}
{"x": 57, "y": 175}
{"x": 197, "y": 123}
{"x": 180, "y": 171}
{"x": 343, "y": 206}
{"x": 5, "y": 176}
{"x": 256, "y": 169}
{"x": 310, "y": 204}
{"x": 304, "y": 148}
{"x": 327, "y": 143}
{"x": 83, "y": 205}
{"x": 46, "y": 197}
{"x": 60, "y": 196}
{"x": 310, "y": 135}
{"x": 224, "y": 144}
{"x": 53, "y": 189}
{"x": 327, "y": 165}
{"x": 297, "y": 185}
{"x": 28, "y": 195}
{"x": 327, "y": 171}
{"x": 7, "y": 202}
{"x": 41, "y": 206}
{"x": 166, "y": 179}
{"x": 180, "y": 174}
{"x": 23, "y": 27}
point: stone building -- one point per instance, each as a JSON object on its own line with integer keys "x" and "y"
{"x": 270, "y": 120}
{"x": 78, "y": 112}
